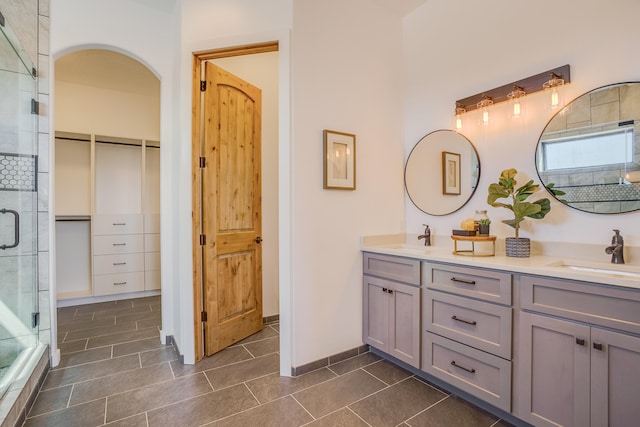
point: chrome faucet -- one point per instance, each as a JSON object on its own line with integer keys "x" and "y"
{"x": 426, "y": 236}
{"x": 616, "y": 250}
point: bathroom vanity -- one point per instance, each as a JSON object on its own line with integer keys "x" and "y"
{"x": 550, "y": 341}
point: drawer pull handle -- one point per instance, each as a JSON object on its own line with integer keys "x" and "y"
{"x": 471, "y": 371}
{"x": 468, "y": 322}
{"x": 466, "y": 282}
{"x": 119, "y": 244}
{"x": 119, "y": 223}
{"x": 119, "y": 283}
{"x": 119, "y": 263}
{"x": 597, "y": 346}
{"x": 580, "y": 341}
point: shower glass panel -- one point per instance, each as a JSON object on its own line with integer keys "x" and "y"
{"x": 18, "y": 207}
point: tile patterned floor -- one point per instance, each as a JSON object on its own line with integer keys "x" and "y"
{"x": 115, "y": 372}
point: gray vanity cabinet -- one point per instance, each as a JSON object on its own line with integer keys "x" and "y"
{"x": 573, "y": 371}
{"x": 467, "y": 325}
{"x": 391, "y": 306}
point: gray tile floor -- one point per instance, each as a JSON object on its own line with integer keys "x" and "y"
{"x": 115, "y": 372}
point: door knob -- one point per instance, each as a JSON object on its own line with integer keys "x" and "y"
{"x": 258, "y": 240}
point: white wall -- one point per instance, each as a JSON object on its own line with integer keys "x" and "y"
{"x": 83, "y": 109}
{"x": 457, "y": 48}
{"x": 346, "y": 77}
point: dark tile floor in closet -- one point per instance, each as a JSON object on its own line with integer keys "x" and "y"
{"x": 115, "y": 372}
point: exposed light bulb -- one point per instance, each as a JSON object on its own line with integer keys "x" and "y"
{"x": 485, "y": 116}
{"x": 458, "y": 122}
{"x": 555, "y": 98}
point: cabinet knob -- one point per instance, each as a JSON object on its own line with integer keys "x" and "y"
{"x": 580, "y": 341}
{"x": 598, "y": 346}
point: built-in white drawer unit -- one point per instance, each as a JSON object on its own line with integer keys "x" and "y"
{"x": 152, "y": 261}
{"x": 117, "y": 224}
{"x": 152, "y": 242}
{"x": 117, "y": 244}
{"x": 152, "y": 280}
{"x": 479, "y": 324}
{"x": 481, "y": 374}
{"x": 120, "y": 263}
{"x": 109, "y": 284}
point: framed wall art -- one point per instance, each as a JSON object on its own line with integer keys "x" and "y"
{"x": 450, "y": 173}
{"x": 339, "y": 160}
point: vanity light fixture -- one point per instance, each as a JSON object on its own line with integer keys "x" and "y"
{"x": 460, "y": 110}
{"x": 515, "y": 96}
{"x": 552, "y": 84}
{"x": 484, "y": 105}
{"x": 514, "y": 92}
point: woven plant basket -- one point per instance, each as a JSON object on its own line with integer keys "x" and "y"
{"x": 518, "y": 247}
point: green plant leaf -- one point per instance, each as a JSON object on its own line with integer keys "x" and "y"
{"x": 545, "y": 207}
{"x": 496, "y": 191}
{"x": 524, "y": 209}
{"x": 512, "y": 222}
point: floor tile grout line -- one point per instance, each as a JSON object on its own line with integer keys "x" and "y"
{"x": 305, "y": 409}
{"x": 447, "y": 396}
{"x": 354, "y": 413}
{"x": 64, "y": 409}
{"x": 248, "y": 351}
{"x": 206, "y": 377}
{"x": 73, "y": 386}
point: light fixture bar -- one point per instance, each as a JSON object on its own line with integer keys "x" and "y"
{"x": 529, "y": 85}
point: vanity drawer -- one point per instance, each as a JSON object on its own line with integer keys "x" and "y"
{"x": 483, "y": 375}
{"x": 109, "y": 284}
{"x": 488, "y": 285}
{"x": 114, "y": 244}
{"x": 608, "y": 306}
{"x": 395, "y": 268}
{"x": 479, "y": 324}
{"x": 112, "y": 264}
{"x": 117, "y": 224}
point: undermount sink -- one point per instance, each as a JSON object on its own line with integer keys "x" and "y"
{"x": 405, "y": 247}
{"x": 601, "y": 268}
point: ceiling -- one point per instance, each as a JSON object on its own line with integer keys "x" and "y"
{"x": 108, "y": 70}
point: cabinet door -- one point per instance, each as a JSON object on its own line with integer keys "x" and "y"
{"x": 615, "y": 379}
{"x": 375, "y": 321}
{"x": 404, "y": 323}
{"x": 554, "y": 371}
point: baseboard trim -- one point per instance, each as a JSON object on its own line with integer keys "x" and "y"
{"x": 327, "y": 361}
{"x": 271, "y": 319}
{"x": 171, "y": 341}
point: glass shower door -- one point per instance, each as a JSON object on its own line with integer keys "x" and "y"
{"x": 18, "y": 207}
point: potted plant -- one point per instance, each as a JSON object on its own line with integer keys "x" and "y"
{"x": 483, "y": 226}
{"x": 506, "y": 188}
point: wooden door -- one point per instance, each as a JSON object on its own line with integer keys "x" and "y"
{"x": 554, "y": 371}
{"x": 231, "y": 209}
{"x": 615, "y": 379}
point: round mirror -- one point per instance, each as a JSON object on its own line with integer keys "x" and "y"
{"x": 442, "y": 172}
{"x": 590, "y": 151}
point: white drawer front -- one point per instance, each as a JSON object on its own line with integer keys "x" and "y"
{"x": 152, "y": 242}
{"x": 152, "y": 261}
{"x": 117, "y": 224}
{"x": 118, "y": 283}
{"x": 151, "y": 223}
{"x": 479, "y": 324}
{"x": 152, "y": 280}
{"x": 112, "y": 264}
{"x": 476, "y": 372}
{"x": 114, "y": 244}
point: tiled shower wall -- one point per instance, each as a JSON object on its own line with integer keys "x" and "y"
{"x": 30, "y": 21}
{"x": 597, "y": 189}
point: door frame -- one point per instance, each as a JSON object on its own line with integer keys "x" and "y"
{"x": 196, "y": 134}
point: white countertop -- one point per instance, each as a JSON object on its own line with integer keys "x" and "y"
{"x": 582, "y": 269}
